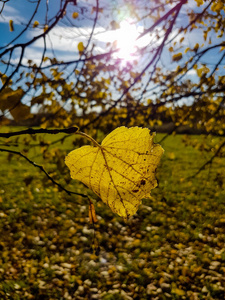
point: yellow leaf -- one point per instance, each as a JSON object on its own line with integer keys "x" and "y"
{"x": 199, "y": 2}
{"x": 45, "y": 28}
{"x": 121, "y": 171}
{"x": 80, "y": 47}
{"x": 196, "y": 47}
{"x": 36, "y": 23}
{"x": 75, "y": 15}
{"x": 199, "y": 72}
{"x": 181, "y": 40}
{"x": 92, "y": 214}
{"x": 177, "y": 57}
{"x": 11, "y": 27}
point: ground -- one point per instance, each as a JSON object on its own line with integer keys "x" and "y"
{"x": 172, "y": 248}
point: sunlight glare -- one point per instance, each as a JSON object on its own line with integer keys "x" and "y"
{"x": 126, "y": 37}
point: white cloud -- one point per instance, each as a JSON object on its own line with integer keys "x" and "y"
{"x": 191, "y": 72}
{"x": 10, "y": 13}
{"x": 66, "y": 39}
{"x": 61, "y": 39}
{"x": 30, "y": 53}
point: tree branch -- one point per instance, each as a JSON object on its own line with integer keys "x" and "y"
{"x": 209, "y": 161}
{"x": 41, "y": 130}
{"x": 163, "y": 18}
{"x": 43, "y": 170}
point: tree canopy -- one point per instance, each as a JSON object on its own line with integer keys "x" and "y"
{"x": 85, "y": 62}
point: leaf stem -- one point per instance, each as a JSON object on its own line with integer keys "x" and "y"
{"x": 88, "y": 137}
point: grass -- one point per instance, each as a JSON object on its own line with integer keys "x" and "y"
{"x": 172, "y": 248}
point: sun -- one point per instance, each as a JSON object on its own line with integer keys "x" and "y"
{"x": 126, "y": 40}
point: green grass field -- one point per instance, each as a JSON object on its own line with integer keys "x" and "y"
{"x": 172, "y": 248}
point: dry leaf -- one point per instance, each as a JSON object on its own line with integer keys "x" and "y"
{"x": 121, "y": 171}
{"x": 177, "y": 57}
{"x": 92, "y": 214}
{"x": 11, "y": 26}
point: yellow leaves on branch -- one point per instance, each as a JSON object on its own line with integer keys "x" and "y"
{"x": 45, "y": 28}
{"x": 121, "y": 171}
{"x": 35, "y": 24}
{"x": 80, "y": 47}
{"x": 217, "y": 6}
{"x": 199, "y": 2}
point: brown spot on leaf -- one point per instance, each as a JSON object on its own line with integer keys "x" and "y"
{"x": 143, "y": 182}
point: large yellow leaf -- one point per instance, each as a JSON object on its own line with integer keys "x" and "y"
{"x": 121, "y": 171}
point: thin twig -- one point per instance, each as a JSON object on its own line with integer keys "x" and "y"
{"x": 43, "y": 170}
{"x": 209, "y": 161}
{"x": 163, "y": 18}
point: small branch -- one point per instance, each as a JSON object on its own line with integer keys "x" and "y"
{"x": 163, "y": 18}
{"x": 209, "y": 161}
{"x": 41, "y": 130}
{"x": 43, "y": 170}
{"x": 67, "y": 63}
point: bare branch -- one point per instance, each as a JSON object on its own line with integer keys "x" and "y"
{"x": 163, "y": 18}
{"x": 41, "y": 130}
{"x": 43, "y": 170}
{"x": 209, "y": 161}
